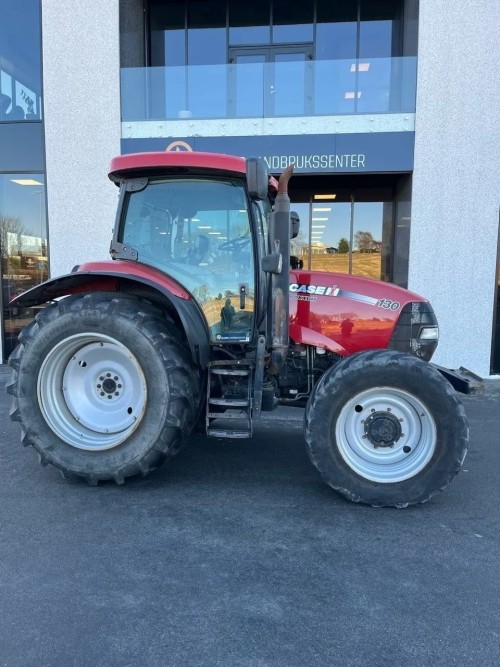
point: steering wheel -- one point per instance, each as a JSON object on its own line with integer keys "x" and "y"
{"x": 235, "y": 244}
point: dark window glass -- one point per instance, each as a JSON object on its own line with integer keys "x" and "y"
{"x": 249, "y": 23}
{"x": 336, "y": 30}
{"x": 206, "y": 14}
{"x": 20, "y": 62}
{"x": 379, "y": 35}
{"x": 292, "y": 21}
{"x": 206, "y": 33}
{"x": 336, "y": 12}
{"x": 168, "y": 37}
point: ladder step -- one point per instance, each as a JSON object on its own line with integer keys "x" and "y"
{"x": 230, "y": 402}
{"x": 222, "y": 433}
{"x": 235, "y": 372}
{"x": 230, "y": 414}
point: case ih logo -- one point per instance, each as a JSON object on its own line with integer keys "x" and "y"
{"x": 310, "y": 292}
{"x": 179, "y": 146}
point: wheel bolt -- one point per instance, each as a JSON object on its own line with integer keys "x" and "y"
{"x": 102, "y": 393}
{"x": 117, "y": 393}
{"x": 98, "y": 386}
{"x": 119, "y": 386}
{"x": 108, "y": 375}
{"x": 115, "y": 378}
{"x": 101, "y": 378}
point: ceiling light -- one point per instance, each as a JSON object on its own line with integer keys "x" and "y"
{"x": 26, "y": 181}
{"x": 362, "y": 67}
{"x": 204, "y": 227}
{"x": 351, "y": 95}
{"x": 320, "y": 220}
{"x": 325, "y": 196}
{"x": 214, "y": 233}
{"x": 318, "y": 226}
{"x": 317, "y": 209}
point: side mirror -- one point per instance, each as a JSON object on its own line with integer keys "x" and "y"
{"x": 257, "y": 178}
{"x": 295, "y": 224}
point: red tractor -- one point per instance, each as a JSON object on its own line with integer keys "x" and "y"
{"x": 197, "y": 318}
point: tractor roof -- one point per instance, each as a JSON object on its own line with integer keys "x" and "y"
{"x": 142, "y": 164}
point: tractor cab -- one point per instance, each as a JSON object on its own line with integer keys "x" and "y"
{"x": 203, "y": 226}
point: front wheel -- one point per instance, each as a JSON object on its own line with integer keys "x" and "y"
{"x": 386, "y": 429}
{"x": 104, "y": 386}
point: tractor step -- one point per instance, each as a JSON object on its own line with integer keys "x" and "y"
{"x": 225, "y": 433}
{"x": 230, "y": 388}
{"x": 230, "y": 402}
{"x": 235, "y": 372}
{"x": 229, "y": 414}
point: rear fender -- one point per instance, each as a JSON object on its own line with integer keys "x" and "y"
{"x": 152, "y": 285}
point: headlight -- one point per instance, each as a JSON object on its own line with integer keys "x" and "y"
{"x": 416, "y": 331}
{"x": 429, "y": 333}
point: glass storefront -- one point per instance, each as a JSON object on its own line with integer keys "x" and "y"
{"x": 20, "y": 61}
{"x": 23, "y": 245}
{"x": 346, "y": 231}
{"x": 23, "y": 220}
{"x": 225, "y": 59}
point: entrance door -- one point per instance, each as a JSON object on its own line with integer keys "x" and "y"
{"x": 269, "y": 81}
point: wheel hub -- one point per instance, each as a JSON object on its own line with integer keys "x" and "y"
{"x": 109, "y": 385}
{"x": 382, "y": 429}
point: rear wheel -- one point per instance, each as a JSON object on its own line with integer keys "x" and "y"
{"x": 104, "y": 387}
{"x": 386, "y": 429}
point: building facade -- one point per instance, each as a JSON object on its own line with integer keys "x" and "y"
{"x": 388, "y": 110}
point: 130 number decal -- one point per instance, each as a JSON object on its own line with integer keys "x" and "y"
{"x": 388, "y": 304}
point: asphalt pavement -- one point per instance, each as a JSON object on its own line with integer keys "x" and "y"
{"x": 237, "y": 554}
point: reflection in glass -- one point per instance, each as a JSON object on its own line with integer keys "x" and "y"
{"x": 198, "y": 231}
{"x": 20, "y": 63}
{"x": 330, "y": 236}
{"x": 269, "y": 81}
{"x": 23, "y": 245}
{"x": 290, "y": 66}
{"x": 299, "y": 247}
{"x": 367, "y": 239}
{"x": 379, "y": 28}
{"x": 348, "y": 233}
{"x": 249, "y": 22}
{"x": 247, "y": 89}
{"x": 292, "y": 21}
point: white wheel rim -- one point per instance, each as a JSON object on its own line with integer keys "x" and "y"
{"x": 407, "y": 448}
{"x": 91, "y": 391}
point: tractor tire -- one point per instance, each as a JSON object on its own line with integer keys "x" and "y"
{"x": 385, "y": 429}
{"x": 104, "y": 387}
